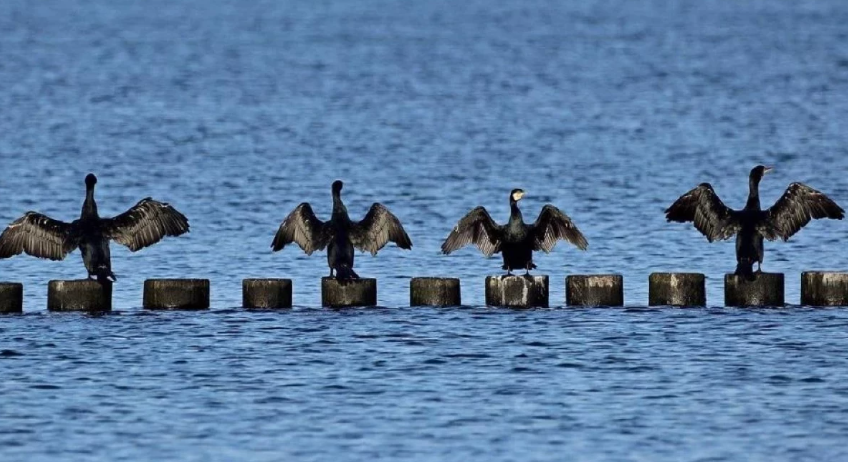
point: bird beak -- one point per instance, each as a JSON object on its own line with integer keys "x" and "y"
{"x": 768, "y": 169}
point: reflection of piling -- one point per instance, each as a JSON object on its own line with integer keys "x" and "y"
{"x": 341, "y": 293}
{"x": 176, "y": 294}
{"x": 517, "y": 291}
{"x": 821, "y": 288}
{"x": 266, "y": 293}
{"x": 676, "y": 289}
{"x": 594, "y": 290}
{"x": 79, "y": 295}
{"x": 11, "y": 297}
{"x": 766, "y": 289}
{"x": 434, "y": 292}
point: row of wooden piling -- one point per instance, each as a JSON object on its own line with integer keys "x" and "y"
{"x": 159, "y": 294}
{"x": 665, "y": 289}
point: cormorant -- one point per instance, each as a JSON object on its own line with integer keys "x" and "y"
{"x": 144, "y": 224}
{"x": 516, "y": 240}
{"x": 340, "y": 235}
{"x": 798, "y": 205}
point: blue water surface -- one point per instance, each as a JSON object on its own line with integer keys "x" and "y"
{"x": 235, "y": 112}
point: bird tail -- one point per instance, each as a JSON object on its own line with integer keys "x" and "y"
{"x": 745, "y": 268}
{"x": 104, "y": 274}
{"x": 345, "y": 272}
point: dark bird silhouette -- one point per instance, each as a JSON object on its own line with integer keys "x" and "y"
{"x": 516, "y": 240}
{"x": 144, "y": 224}
{"x": 798, "y": 205}
{"x": 340, "y": 235}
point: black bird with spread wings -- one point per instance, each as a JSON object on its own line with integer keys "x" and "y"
{"x": 146, "y": 223}
{"x": 798, "y": 205}
{"x": 340, "y": 235}
{"x": 516, "y": 240}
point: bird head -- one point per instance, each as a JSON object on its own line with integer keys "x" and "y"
{"x": 759, "y": 171}
{"x": 90, "y": 180}
{"x": 337, "y": 186}
{"x": 516, "y": 195}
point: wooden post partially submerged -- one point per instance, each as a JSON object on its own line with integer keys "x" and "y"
{"x": 79, "y": 295}
{"x": 342, "y": 293}
{"x": 434, "y": 292}
{"x": 594, "y": 290}
{"x": 266, "y": 293}
{"x": 822, "y": 288}
{"x": 176, "y": 294}
{"x": 517, "y": 291}
{"x": 11, "y": 297}
{"x": 766, "y": 289}
{"x": 677, "y": 289}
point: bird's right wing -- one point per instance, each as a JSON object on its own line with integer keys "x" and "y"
{"x": 38, "y": 235}
{"x": 702, "y": 206}
{"x": 303, "y": 228}
{"x": 478, "y": 228}
{"x": 798, "y": 205}
{"x": 376, "y": 230}
{"x": 145, "y": 224}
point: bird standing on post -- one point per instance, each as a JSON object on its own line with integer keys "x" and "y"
{"x": 340, "y": 235}
{"x": 146, "y": 223}
{"x": 798, "y": 205}
{"x": 516, "y": 240}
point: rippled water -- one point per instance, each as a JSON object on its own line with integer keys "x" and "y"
{"x": 237, "y": 111}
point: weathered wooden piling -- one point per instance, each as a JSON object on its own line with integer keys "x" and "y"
{"x": 176, "y": 294}
{"x": 823, "y": 288}
{"x": 594, "y": 290}
{"x": 766, "y": 289}
{"x": 677, "y": 289}
{"x": 341, "y": 293}
{"x": 517, "y": 291}
{"x": 434, "y": 292}
{"x": 11, "y": 297}
{"x": 266, "y": 293}
{"x": 79, "y": 295}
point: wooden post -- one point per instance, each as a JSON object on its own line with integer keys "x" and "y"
{"x": 11, "y": 297}
{"x": 517, "y": 291}
{"x": 821, "y": 288}
{"x": 79, "y": 295}
{"x": 677, "y": 289}
{"x": 342, "y": 293}
{"x": 176, "y": 294}
{"x": 594, "y": 290}
{"x": 766, "y": 289}
{"x": 434, "y": 292}
{"x": 266, "y": 293}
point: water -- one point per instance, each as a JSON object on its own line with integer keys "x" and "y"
{"x": 237, "y": 112}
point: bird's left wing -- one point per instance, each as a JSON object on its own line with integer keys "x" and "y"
{"x": 704, "y": 208}
{"x": 378, "y": 228}
{"x": 553, "y": 225}
{"x": 303, "y": 228}
{"x": 798, "y": 205}
{"x": 146, "y": 223}
{"x": 38, "y": 235}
